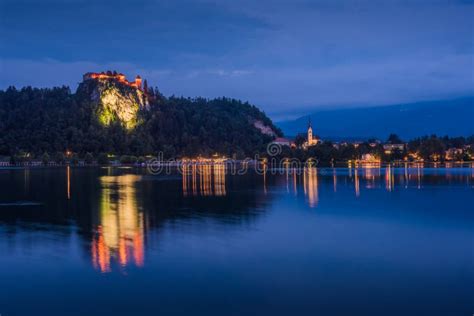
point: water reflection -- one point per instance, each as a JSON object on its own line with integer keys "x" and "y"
{"x": 120, "y": 233}
{"x": 27, "y": 180}
{"x": 370, "y": 174}
{"x": 340, "y": 226}
{"x": 310, "y": 181}
{"x": 419, "y": 175}
{"x": 389, "y": 180}
{"x": 356, "y": 182}
{"x": 115, "y": 209}
{"x": 204, "y": 179}
{"x": 68, "y": 180}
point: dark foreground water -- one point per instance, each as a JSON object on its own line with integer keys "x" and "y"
{"x": 372, "y": 241}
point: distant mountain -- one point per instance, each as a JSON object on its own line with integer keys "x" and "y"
{"x": 445, "y": 117}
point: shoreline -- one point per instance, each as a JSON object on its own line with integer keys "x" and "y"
{"x": 238, "y": 163}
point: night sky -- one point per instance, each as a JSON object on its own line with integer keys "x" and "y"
{"x": 287, "y": 57}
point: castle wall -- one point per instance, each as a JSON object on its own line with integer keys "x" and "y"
{"x": 110, "y": 76}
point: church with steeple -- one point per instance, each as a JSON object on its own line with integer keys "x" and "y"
{"x": 311, "y": 139}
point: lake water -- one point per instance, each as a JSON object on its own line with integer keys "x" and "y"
{"x": 366, "y": 241}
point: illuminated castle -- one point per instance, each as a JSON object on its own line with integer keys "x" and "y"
{"x": 119, "y": 77}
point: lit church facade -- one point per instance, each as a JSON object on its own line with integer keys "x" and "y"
{"x": 311, "y": 139}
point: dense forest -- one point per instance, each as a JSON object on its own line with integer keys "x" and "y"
{"x": 39, "y": 121}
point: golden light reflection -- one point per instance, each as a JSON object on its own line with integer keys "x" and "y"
{"x": 219, "y": 180}
{"x": 294, "y": 182}
{"x": 26, "y": 181}
{"x": 120, "y": 232}
{"x": 205, "y": 179}
{"x": 406, "y": 177}
{"x": 291, "y": 180}
{"x": 265, "y": 168}
{"x": 194, "y": 179}
{"x": 310, "y": 185}
{"x": 389, "y": 179}
{"x": 356, "y": 182}
{"x": 68, "y": 176}
{"x": 419, "y": 174}
{"x": 371, "y": 173}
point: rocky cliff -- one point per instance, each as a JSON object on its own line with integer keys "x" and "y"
{"x": 114, "y": 101}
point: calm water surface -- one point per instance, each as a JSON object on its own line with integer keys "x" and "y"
{"x": 367, "y": 241}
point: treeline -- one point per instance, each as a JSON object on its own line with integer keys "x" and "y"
{"x": 57, "y": 125}
{"x": 53, "y": 121}
{"x": 427, "y": 148}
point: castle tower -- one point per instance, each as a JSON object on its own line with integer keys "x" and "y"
{"x": 138, "y": 81}
{"x": 121, "y": 77}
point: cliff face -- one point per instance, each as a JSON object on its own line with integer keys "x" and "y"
{"x": 114, "y": 101}
{"x": 264, "y": 129}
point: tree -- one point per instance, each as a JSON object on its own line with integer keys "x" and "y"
{"x": 74, "y": 160}
{"x": 102, "y": 159}
{"x": 397, "y": 154}
{"x": 432, "y": 148}
{"x": 45, "y": 158}
{"x": 394, "y": 139}
{"x": 88, "y": 158}
{"x": 59, "y": 158}
{"x": 299, "y": 140}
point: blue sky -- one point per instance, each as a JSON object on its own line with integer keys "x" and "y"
{"x": 287, "y": 57}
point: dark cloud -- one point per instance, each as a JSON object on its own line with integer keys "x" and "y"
{"x": 285, "y": 56}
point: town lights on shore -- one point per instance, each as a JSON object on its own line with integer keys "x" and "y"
{"x": 214, "y": 159}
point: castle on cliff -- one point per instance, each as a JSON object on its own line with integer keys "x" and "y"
{"x": 113, "y": 75}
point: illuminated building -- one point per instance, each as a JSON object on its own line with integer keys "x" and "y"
{"x": 119, "y": 77}
{"x": 283, "y": 142}
{"x": 390, "y": 148}
{"x": 454, "y": 154}
{"x": 370, "y": 158}
{"x": 311, "y": 139}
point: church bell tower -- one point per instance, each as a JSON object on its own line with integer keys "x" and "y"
{"x": 310, "y": 132}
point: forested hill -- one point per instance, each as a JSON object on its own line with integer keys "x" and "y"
{"x": 111, "y": 118}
